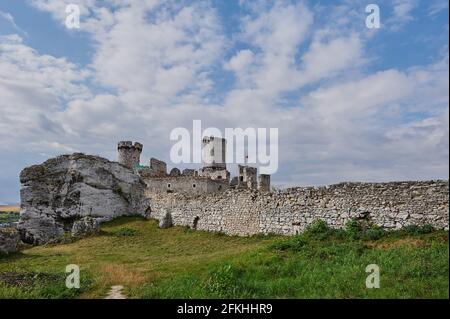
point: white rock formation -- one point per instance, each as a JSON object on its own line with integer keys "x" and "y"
{"x": 63, "y": 190}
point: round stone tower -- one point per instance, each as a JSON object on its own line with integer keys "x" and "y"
{"x": 129, "y": 155}
{"x": 213, "y": 153}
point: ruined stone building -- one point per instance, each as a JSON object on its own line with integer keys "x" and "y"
{"x": 212, "y": 177}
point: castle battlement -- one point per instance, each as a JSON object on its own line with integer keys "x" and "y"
{"x": 129, "y": 154}
{"x": 212, "y": 177}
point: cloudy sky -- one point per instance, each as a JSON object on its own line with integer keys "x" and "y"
{"x": 351, "y": 103}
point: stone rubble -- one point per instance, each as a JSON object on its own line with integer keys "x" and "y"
{"x": 86, "y": 226}
{"x": 166, "y": 221}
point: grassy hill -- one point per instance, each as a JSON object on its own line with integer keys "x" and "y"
{"x": 182, "y": 263}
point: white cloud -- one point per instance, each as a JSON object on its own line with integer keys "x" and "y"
{"x": 402, "y": 13}
{"x": 240, "y": 64}
{"x": 156, "y": 62}
{"x": 161, "y": 47}
{"x": 32, "y": 88}
{"x": 346, "y": 51}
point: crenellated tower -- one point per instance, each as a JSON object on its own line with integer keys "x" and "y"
{"x": 129, "y": 154}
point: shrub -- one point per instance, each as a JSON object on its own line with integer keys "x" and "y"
{"x": 294, "y": 243}
{"x": 426, "y": 229}
{"x": 418, "y": 230}
{"x": 318, "y": 230}
{"x": 339, "y": 233}
{"x": 353, "y": 228}
{"x": 8, "y": 217}
{"x": 411, "y": 229}
{"x": 374, "y": 233}
{"x": 318, "y": 226}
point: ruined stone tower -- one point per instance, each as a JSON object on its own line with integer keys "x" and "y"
{"x": 247, "y": 177}
{"x": 213, "y": 153}
{"x": 129, "y": 155}
{"x": 214, "y": 158}
{"x": 264, "y": 183}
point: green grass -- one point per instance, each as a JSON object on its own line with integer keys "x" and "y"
{"x": 182, "y": 263}
{"x": 8, "y": 217}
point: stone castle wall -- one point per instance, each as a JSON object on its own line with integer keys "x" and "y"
{"x": 247, "y": 212}
{"x": 189, "y": 185}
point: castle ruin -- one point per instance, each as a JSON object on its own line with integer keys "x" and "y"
{"x": 72, "y": 191}
{"x": 212, "y": 177}
{"x": 208, "y": 199}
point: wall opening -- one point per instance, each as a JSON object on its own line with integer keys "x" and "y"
{"x": 195, "y": 223}
{"x": 193, "y": 185}
{"x": 148, "y": 212}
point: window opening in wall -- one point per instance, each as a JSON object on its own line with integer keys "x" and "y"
{"x": 195, "y": 223}
{"x": 193, "y": 185}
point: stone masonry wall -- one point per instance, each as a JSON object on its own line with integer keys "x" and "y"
{"x": 189, "y": 185}
{"x": 247, "y": 212}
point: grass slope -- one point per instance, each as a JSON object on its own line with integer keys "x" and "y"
{"x": 182, "y": 263}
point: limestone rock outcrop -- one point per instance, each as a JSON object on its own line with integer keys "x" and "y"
{"x": 63, "y": 190}
{"x": 84, "y": 227}
{"x": 166, "y": 221}
{"x": 9, "y": 240}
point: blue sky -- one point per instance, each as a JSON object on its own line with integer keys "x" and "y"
{"x": 351, "y": 103}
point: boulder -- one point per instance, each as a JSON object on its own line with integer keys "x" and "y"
{"x": 63, "y": 190}
{"x": 166, "y": 221}
{"x": 86, "y": 226}
{"x": 9, "y": 240}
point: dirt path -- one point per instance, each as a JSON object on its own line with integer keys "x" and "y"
{"x": 116, "y": 293}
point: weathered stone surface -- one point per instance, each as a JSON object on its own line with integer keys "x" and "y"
{"x": 247, "y": 212}
{"x": 166, "y": 221}
{"x": 175, "y": 172}
{"x": 84, "y": 227}
{"x": 62, "y": 190}
{"x": 9, "y": 240}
